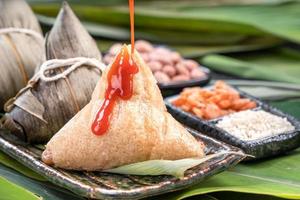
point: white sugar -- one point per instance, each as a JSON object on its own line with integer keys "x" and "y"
{"x": 251, "y": 124}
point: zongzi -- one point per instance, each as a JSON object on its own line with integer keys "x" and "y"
{"x": 21, "y": 47}
{"x": 56, "y": 93}
{"x": 132, "y": 124}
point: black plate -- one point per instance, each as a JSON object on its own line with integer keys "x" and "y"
{"x": 260, "y": 148}
{"x": 98, "y": 185}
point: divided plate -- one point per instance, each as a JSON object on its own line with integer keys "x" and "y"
{"x": 260, "y": 148}
{"x": 99, "y": 185}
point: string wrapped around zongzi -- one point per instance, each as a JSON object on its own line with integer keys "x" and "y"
{"x": 21, "y": 47}
{"x": 62, "y": 86}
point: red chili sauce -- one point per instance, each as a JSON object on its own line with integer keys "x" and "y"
{"x": 120, "y": 82}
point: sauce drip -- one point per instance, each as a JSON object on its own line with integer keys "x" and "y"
{"x": 120, "y": 82}
{"x": 131, "y": 10}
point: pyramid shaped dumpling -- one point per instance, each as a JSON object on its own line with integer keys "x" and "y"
{"x": 140, "y": 129}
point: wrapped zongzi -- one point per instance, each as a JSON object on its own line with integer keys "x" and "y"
{"x": 133, "y": 124}
{"x": 63, "y": 85}
{"x": 21, "y": 47}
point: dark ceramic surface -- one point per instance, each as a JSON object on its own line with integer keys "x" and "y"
{"x": 260, "y": 148}
{"x": 100, "y": 185}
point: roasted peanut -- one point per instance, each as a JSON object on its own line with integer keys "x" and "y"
{"x": 181, "y": 69}
{"x": 155, "y": 66}
{"x": 161, "y": 77}
{"x": 197, "y": 73}
{"x": 145, "y": 57}
{"x": 143, "y": 46}
{"x": 169, "y": 70}
{"x": 107, "y": 59}
{"x": 175, "y": 57}
{"x": 114, "y": 49}
{"x": 180, "y": 78}
{"x": 190, "y": 64}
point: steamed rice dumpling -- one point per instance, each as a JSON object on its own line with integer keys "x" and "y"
{"x": 20, "y": 53}
{"x": 43, "y": 107}
{"x": 139, "y": 128}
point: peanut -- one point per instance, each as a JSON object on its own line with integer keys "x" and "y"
{"x": 180, "y": 78}
{"x": 114, "y": 49}
{"x": 143, "y": 46}
{"x": 181, "y": 69}
{"x": 169, "y": 70}
{"x": 155, "y": 66}
{"x": 190, "y": 64}
{"x": 175, "y": 57}
{"x": 197, "y": 73}
{"x": 161, "y": 77}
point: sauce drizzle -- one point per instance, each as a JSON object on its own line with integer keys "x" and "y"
{"x": 131, "y": 12}
{"x": 120, "y": 82}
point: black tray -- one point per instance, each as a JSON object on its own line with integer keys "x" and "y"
{"x": 259, "y": 148}
{"x": 99, "y": 185}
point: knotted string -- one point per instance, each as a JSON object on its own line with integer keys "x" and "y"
{"x": 22, "y": 30}
{"x": 71, "y": 64}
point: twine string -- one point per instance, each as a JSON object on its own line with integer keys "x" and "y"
{"x": 71, "y": 64}
{"x": 22, "y": 30}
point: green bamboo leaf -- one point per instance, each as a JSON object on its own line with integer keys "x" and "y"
{"x": 269, "y": 84}
{"x": 268, "y": 90}
{"x": 159, "y": 36}
{"x": 280, "y": 20}
{"x": 278, "y": 177}
{"x": 165, "y": 167}
{"x": 46, "y": 190}
{"x": 242, "y": 196}
{"x": 10, "y": 191}
{"x": 292, "y": 107}
{"x": 216, "y": 43}
{"x": 192, "y": 51}
{"x": 151, "y": 19}
{"x": 12, "y": 163}
{"x": 271, "y": 93}
{"x": 166, "y": 3}
{"x": 277, "y": 65}
{"x": 251, "y": 44}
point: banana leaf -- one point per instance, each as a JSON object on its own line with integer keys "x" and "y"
{"x": 278, "y": 65}
{"x": 9, "y": 191}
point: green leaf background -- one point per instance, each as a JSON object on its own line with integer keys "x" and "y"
{"x": 217, "y": 31}
{"x": 11, "y": 191}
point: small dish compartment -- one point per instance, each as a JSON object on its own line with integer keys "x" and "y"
{"x": 260, "y": 148}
